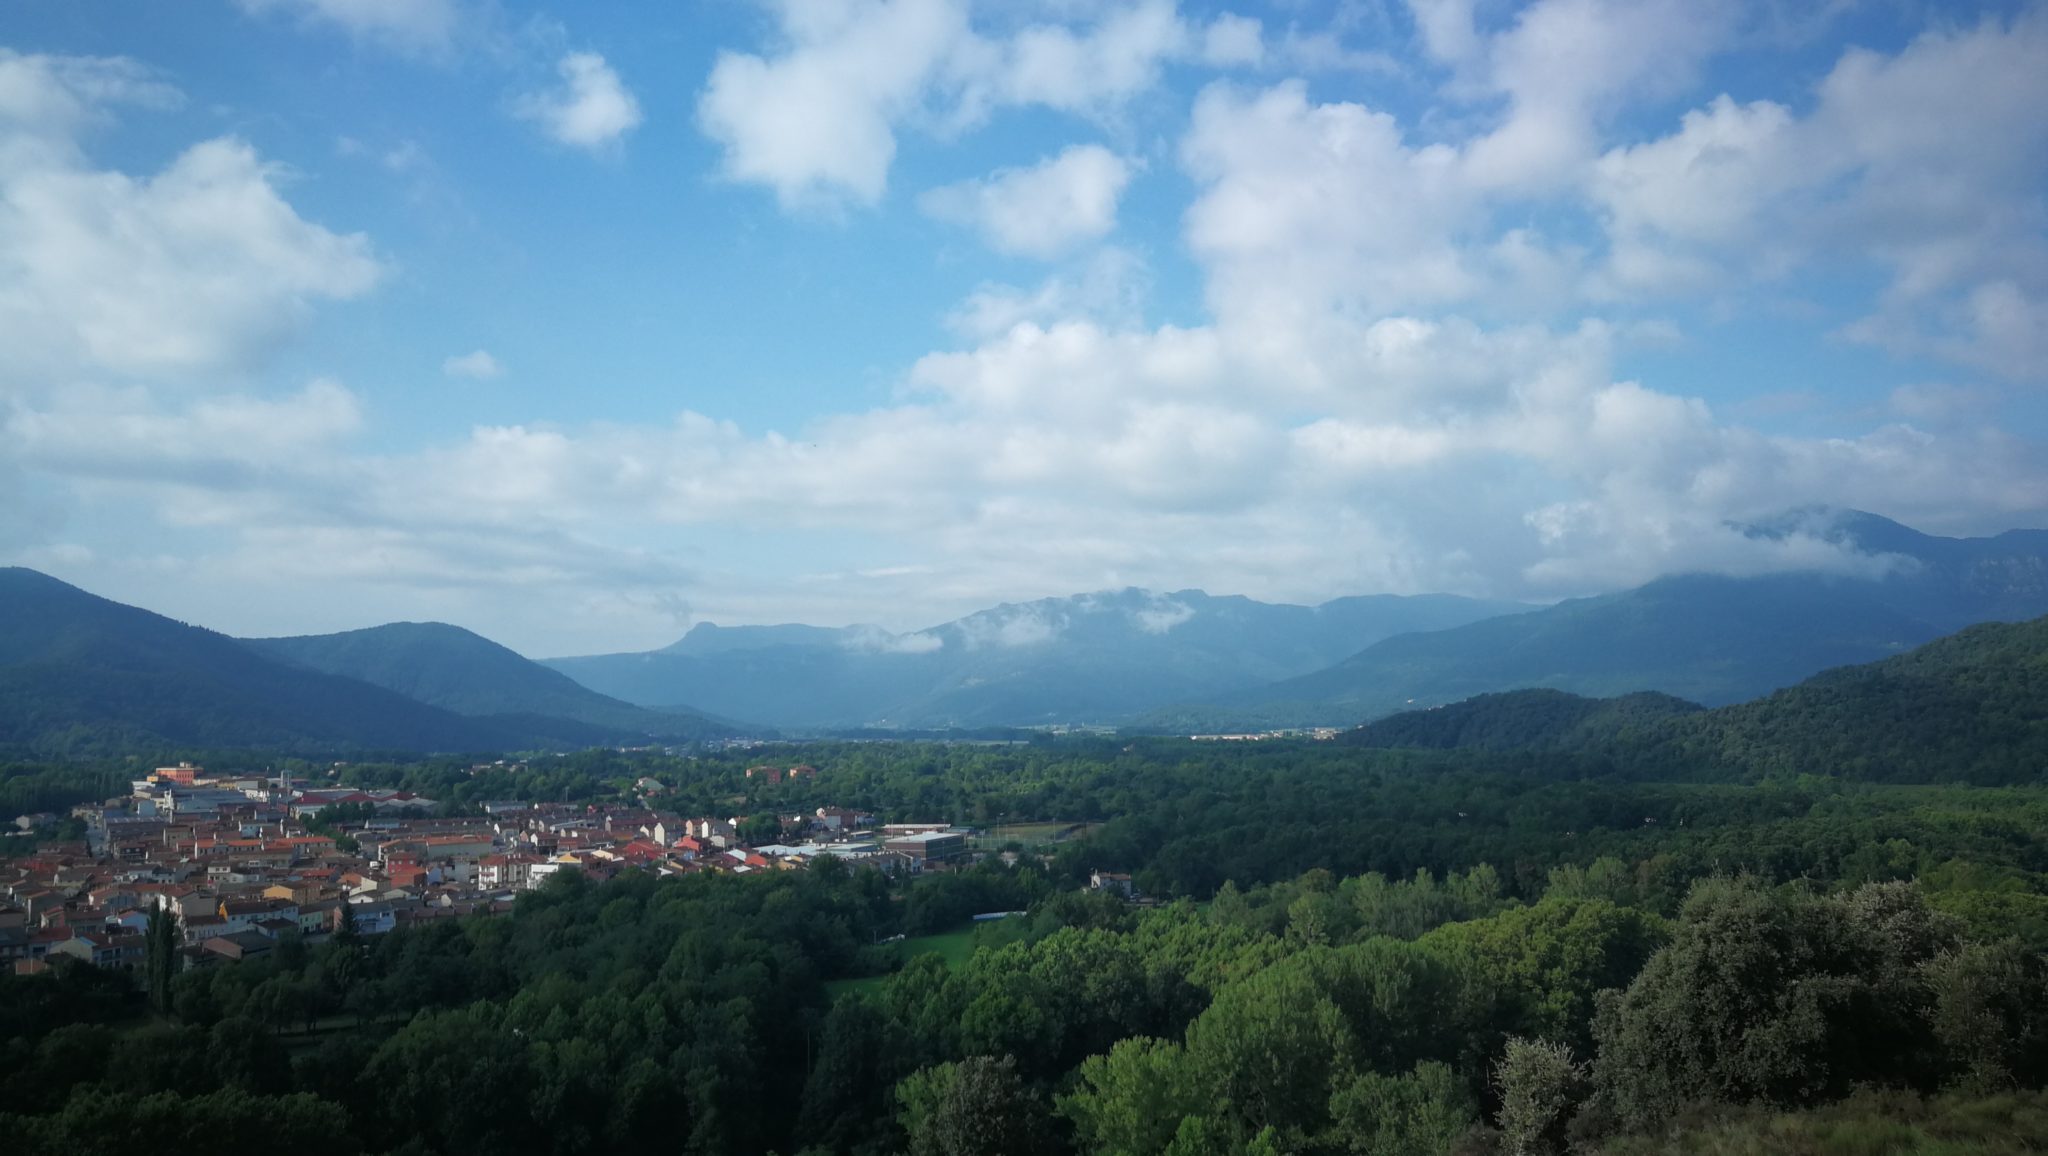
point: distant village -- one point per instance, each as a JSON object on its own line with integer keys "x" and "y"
{"x": 237, "y": 859}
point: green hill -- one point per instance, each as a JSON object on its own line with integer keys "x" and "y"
{"x": 80, "y": 673}
{"x": 1972, "y": 707}
{"x": 460, "y": 671}
{"x": 1522, "y": 719}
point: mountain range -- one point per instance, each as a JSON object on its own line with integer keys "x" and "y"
{"x": 1091, "y": 658}
{"x": 1710, "y": 639}
{"x": 77, "y": 669}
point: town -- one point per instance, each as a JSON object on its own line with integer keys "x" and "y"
{"x": 247, "y": 862}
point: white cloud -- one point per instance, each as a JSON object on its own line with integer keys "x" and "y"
{"x": 875, "y": 640}
{"x": 1010, "y": 627}
{"x": 816, "y": 120}
{"x": 1233, "y": 41}
{"x": 1161, "y": 614}
{"x": 1088, "y": 70}
{"x": 590, "y": 109}
{"x": 1401, "y": 384}
{"x": 1446, "y": 30}
{"x": 1926, "y": 163}
{"x": 1303, "y": 204}
{"x": 1043, "y": 210}
{"x": 478, "y": 365}
{"x": 1565, "y": 66}
{"x": 1109, "y": 288}
{"x": 201, "y": 268}
{"x": 413, "y": 26}
{"x": 47, "y": 102}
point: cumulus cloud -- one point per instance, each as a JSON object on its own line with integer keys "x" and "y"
{"x": 413, "y": 26}
{"x": 1109, "y": 287}
{"x": 1400, "y": 383}
{"x": 202, "y": 267}
{"x": 816, "y": 120}
{"x": 1925, "y": 164}
{"x": 590, "y": 109}
{"x": 1040, "y": 211}
{"x": 478, "y": 365}
{"x": 1566, "y": 66}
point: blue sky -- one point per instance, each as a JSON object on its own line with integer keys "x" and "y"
{"x": 577, "y": 324}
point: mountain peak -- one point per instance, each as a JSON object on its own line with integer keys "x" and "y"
{"x": 1867, "y": 532}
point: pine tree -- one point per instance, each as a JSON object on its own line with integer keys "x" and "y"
{"x": 160, "y": 944}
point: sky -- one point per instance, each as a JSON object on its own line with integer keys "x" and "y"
{"x": 579, "y": 324}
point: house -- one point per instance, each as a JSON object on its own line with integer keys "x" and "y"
{"x": 101, "y": 949}
{"x": 1113, "y": 883}
{"x": 318, "y": 916}
{"x": 239, "y": 945}
{"x": 372, "y": 917}
{"x": 200, "y": 928}
{"x": 641, "y": 852}
{"x": 184, "y": 774}
{"x": 132, "y": 919}
{"x": 502, "y": 870}
{"x": 839, "y": 819}
{"x": 243, "y": 914}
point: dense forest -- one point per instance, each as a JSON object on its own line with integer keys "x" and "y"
{"x": 1364, "y": 951}
{"x": 1615, "y": 942}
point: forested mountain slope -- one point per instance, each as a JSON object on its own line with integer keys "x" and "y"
{"x": 82, "y": 673}
{"x": 1971, "y": 707}
{"x": 464, "y": 672}
{"x": 1707, "y": 638}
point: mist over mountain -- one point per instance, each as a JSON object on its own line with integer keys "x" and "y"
{"x": 1711, "y": 639}
{"x": 1180, "y": 661}
{"x": 1090, "y": 658}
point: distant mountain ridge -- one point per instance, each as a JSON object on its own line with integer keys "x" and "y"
{"x": 1081, "y": 659}
{"x": 80, "y": 674}
{"x": 464, "y": 672}
{"x": 76, "y": 669}
{"x": 1707, "y": 638}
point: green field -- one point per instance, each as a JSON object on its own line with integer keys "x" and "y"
{"x": 952, "y": 946}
